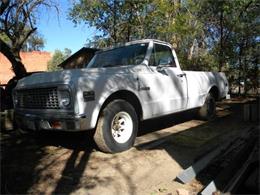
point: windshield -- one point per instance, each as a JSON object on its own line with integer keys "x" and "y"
{"x": 127, "y": 55}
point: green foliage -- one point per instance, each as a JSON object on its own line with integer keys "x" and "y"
{"x": 5, "y": 38}
{"x": 117, "y": 20}
{"x": 34, "y": 43}
{"x": 207, "y": 35}
{"x": 236, "y": 23}
{"x": 57, "y": 58}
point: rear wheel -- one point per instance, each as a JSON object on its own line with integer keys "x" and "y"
{"x": 117, "y": 127}
{"x": 208, "y": 110}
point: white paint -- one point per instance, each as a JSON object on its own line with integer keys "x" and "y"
{"x": 122, "y": 127}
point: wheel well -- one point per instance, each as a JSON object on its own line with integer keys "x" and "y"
{"x": 214, "y": 91}
{"x": 128, "y": 96}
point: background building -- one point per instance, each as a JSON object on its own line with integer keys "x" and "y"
{"x": 33, "y": 61}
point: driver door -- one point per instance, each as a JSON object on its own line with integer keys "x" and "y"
{"x": 173, "y": 82}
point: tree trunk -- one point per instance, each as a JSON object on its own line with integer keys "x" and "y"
{"x": 17, "y": 66}
{"x": 245, "y": 76}
{"x": 240, "y": 68}
{"x": 221, "y": 53}
{"x": 191, "y": 50}
{"x": 129, "y": 25}
{"x": 114, "y": 22}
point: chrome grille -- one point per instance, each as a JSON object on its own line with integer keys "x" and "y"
{"x": 40, "y": 98}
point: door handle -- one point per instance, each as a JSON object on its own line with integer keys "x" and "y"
{"x": 181, "y": 75}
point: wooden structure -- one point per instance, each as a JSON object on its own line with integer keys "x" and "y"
{"x": 79, "y": 59}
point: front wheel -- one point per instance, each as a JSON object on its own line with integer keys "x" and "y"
{"x": 208, "y": 110}
{"x": 117, "y": 127}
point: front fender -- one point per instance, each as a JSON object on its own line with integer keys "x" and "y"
{"x": 103, "y": 87}
{"x": 97, "y": 107}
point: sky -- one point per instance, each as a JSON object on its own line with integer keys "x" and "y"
{"x": 59, "y": 32}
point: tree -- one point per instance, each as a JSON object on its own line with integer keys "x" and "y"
{"x": 245, "y": 44}
{"x": 232, "y": 29}
{"x": 57, "y": 58}
{"x": 177, "y": 22}
{"x": 122, "y": 21}
{"x": 209, "y": 35}
{"x": 18, "y": 23}
{"x": 117, "y": 20}
{"x": 34, "y": 43}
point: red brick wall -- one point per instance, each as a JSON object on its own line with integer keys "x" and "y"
{"x": 33, "y": 61}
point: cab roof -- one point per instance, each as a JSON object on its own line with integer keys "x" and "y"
{"x": 136, "y": 42}
{"x": 147, "y": 41}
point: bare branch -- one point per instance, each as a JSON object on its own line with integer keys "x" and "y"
{"x": 3, "y": 6}
{"x": 7, "y": 25}
{"x": 21, "y": 42}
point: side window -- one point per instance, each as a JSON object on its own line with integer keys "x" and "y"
{"x": 162, "y": 55}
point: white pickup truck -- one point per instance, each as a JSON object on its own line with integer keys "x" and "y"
{"x": 117, "y": 89}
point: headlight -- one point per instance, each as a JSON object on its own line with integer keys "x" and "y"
{"x": 64, "y": 98}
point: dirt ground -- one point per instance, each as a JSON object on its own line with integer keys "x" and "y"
{"x": 70, "y": 163}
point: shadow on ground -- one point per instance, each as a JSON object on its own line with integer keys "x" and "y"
{"x": 25, "y": 157}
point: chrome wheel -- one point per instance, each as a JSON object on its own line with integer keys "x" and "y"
{"x": 122, "y": 127}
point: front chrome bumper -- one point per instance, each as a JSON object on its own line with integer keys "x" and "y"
{"x": 45, "y": 122}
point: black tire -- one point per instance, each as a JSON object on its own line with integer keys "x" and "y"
{"x": 208, "y": 110}
{"x": 105, "y": 135}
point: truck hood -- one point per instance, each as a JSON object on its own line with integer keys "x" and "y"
{"x": 69, "y": 76}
